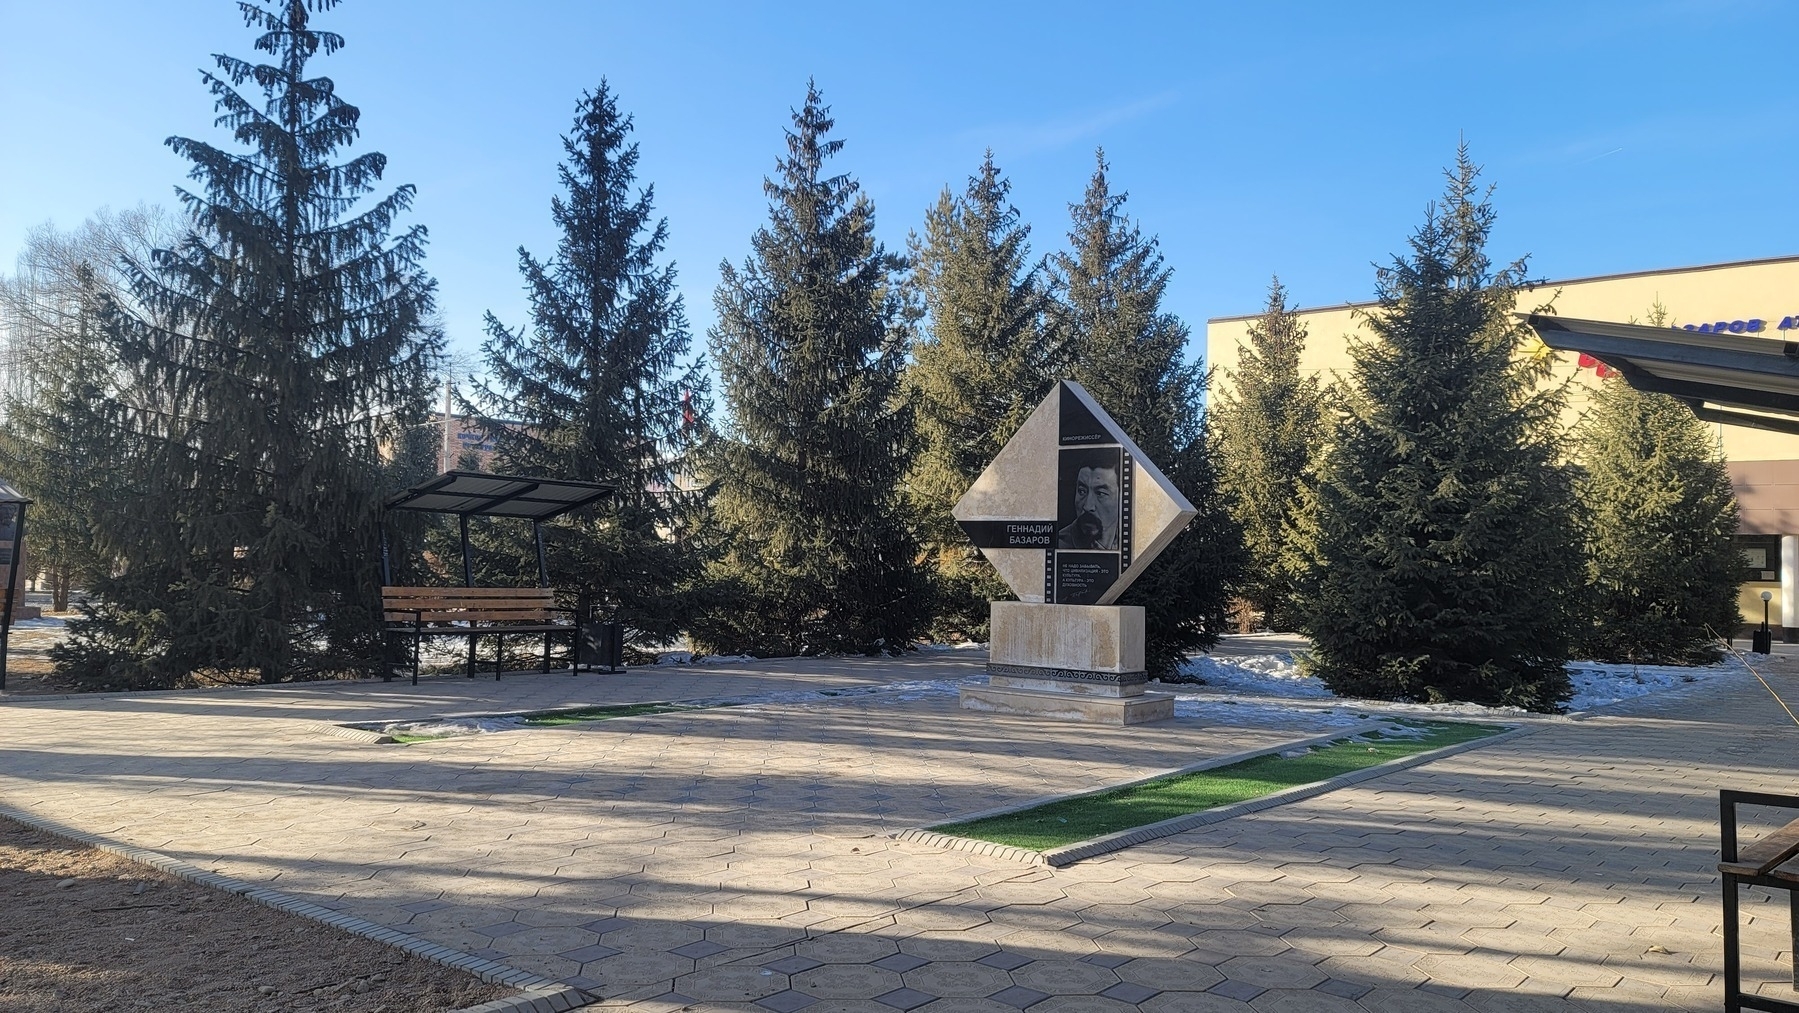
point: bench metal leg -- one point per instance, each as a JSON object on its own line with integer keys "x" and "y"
{"x": 417, "y": 638}
{"x": 499, "y": 656}
{"x": 546, "y": 652}
{"x": 1733, "y": 963}
{"x": 471, "y": 655}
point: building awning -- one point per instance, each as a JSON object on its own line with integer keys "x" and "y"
{"x": 10, "y": 493}
{"x": 1737, "y": 379}
{"x": 474, "y": 494}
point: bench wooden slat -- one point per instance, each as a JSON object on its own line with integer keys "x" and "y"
{"x": 430, "y": 616}
{"x": 1765, "y": 853}
{"x": 463, "y": 592}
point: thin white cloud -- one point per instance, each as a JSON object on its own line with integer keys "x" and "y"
{"x": 1028, "y": 138}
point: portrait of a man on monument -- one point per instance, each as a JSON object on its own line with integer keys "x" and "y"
{"x": 1091, "y": 482}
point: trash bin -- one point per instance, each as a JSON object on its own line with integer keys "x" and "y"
{"x": 600, "y": 645}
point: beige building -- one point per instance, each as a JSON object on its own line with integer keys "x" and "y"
{"x": 1747, "y": 297}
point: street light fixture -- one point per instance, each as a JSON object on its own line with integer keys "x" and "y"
{"x": 1762, "y": 640}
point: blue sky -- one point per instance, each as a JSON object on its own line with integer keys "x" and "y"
{"x": 1253, "y": 138}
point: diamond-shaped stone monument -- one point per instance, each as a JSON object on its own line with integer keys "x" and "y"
{"x": 1070, "y": 513}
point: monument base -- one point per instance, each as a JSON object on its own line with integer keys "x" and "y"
{"x": 1070, "y": 706}
{"x": 1073, "y": 662}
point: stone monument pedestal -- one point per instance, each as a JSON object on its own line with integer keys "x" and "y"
{"x": 1074, "y": 662}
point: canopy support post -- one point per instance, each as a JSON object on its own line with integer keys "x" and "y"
{"x": 543, "y": 568}
{"x": 468, "y": 566}
{"x": 12, "y": 581}
{"x": 387, "y": 568}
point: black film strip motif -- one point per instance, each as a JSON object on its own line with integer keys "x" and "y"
{"x": 1125, "y": 512}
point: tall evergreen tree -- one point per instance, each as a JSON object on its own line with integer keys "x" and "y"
{"x": 1441, "y": 562}
{"x": 811, "y": 345}
{"x": 286, "y": 337}
{"x": 600, "y": 386}
{"x": 1659, "y": 514}
{"x": 1268, "y": 424}
{"x": 1115, "y": 339}
{"x": 981, "y": 364}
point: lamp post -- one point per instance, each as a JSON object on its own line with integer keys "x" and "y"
{"x": 1762, "y": 640}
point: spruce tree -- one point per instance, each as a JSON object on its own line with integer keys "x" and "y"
{"x": 1440, "y": 561}
{"x": 1269, "y": 422}
{"x": 811, "y": 344}
{"x": 600, "y": 387}
{"x": 1115, "y": 339}
{"x": 1659, "y": 515}
{"x": 980, "y": 366}
{"x": 281, "y": 342}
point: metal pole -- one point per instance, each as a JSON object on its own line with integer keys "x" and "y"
{"x": 387, "y": 569}
{"x": 543, "y": 569}
{"x": 12, "y": 579}
{"x": 468, "y": 567}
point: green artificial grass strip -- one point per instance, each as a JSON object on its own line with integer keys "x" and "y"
{"x": 577, "y": 715}
{"x": 1078, "y": 819}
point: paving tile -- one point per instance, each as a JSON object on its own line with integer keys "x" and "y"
{"x": 1019, "y": 997}
{"x": 1129, "y": 992}
{"x": 1343, "y": 989}
{"x": 786, "y": 1001}
{"x": 587, "y": 953}
{"x": 901, "y": 962}
{"x": 1242, "y": 990}
{"x": 792, "y": 965}
{"x": 904, "y": 998}
{"x": 1105, "y": 960}
{"x": 697, "y": 950}
{"x": 1004, "y": 960}
{"x": 501, "y": 929}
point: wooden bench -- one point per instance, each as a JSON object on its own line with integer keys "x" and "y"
{"x": 475, "y": 612}
{"x": 1772, "y": 861}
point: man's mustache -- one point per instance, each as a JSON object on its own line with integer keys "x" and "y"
{"x": 1090, "y": 524}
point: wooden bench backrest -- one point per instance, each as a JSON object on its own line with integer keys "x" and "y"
{"x": 469, "y": 604}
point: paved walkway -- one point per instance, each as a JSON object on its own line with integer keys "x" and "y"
{"x": 736, "y": 859}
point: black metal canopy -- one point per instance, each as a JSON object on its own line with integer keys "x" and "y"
{"x": 1739, "y": 379}
{"x": 474, "y": 494}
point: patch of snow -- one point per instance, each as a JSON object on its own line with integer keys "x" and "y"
{"x": 1596, "y": 684}
{"x": 690, "y": 658}
{"x": 1260, "y": 677}
{"x": 1265, "y": 674}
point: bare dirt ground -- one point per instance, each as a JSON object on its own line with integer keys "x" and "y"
{"x": 84, "y": 930}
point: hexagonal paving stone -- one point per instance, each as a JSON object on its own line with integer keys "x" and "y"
{"x": 957, "y": 978}
{"x": 786, "y": 1001}
{"x": 1166, "y": 975}
{"x": 1130, "y": 992}
{"x": 846, "y": 981}
{"x": 1018, "y": 996}
{"x": 1065, "y": 977}
{"x": 1272, "y": 972}
{"x": 1471, "y": 972}
{"x": 847, "y": 948}
{"x": 1004, "y": 960}
{"x": 1287, "y": 1000}
{"x": 640, "y": 968}
{"x": 729, "y": 984}
{"x": 904, "y": 998}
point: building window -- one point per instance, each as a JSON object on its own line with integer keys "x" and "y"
{"x": 1761, "y": 558}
